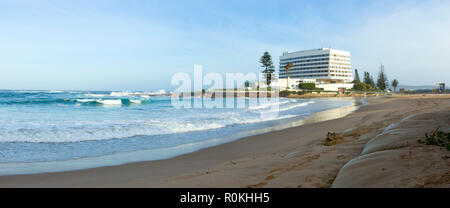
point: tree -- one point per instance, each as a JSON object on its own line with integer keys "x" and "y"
{"x": 266, "y": 61}
{"x": 394, "y": 84}
{"x": 372, "y": 83}
{"x": 382, "y": 81}
{"x": 288, "y": 66}
{"x": 357, "y": 84}
{"x": 360, "y": 86}
{"x": 356, "y": 77}
{"x": 368, "y": 80}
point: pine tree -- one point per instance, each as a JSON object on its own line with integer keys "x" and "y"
{"x": 372, "y": 83}
{"x": 368, "y": 80}
{"x": 269, "y": 69}
{"x": 382, "y": 81}
{"x": 356, "y": 80}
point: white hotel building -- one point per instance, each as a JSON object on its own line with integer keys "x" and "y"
{"x": 328, "y": 68}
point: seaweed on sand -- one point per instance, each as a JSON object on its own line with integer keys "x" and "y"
{"x": 438, "y": 138}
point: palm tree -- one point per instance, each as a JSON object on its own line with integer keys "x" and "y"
{"x": 394, "y": 84}
{"x": 288, "y": 66}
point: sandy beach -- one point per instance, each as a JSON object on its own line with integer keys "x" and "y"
{"x": 379, "y": 149}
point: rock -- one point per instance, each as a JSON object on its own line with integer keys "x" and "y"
{"x": 333, "y": 139}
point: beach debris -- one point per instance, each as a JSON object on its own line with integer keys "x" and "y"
{"x": 333, "y": 138}
{"x": 438, "y": 138}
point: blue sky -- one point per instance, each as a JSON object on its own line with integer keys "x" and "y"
{"x": 139, "y": 45}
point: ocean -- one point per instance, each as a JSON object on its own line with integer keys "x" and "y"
{"x": 46, "y": 131}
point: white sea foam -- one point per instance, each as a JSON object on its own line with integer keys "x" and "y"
{"x": 122, "y": 94}
{"x": 267, "y": 105}
{"x": 161, "y": 92}
{"x": 86, "y": 100}
{"x": 282, "y": 107}
{"x": 90, "y": 130}
{"x": 136, "y": 101}
{"x": 110, "y": 102}
{"x": 96, "y": 95}
{"x": 87, "y": 133}
{"x": 296, "y": 106}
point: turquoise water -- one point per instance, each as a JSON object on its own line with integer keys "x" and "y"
{"x": 40, "y": 127}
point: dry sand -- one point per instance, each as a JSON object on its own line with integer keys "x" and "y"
{"x": 371, "y": 155}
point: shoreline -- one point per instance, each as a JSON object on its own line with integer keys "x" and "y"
{"x": 292, "y": 157}
{"x": 30, "y": 168}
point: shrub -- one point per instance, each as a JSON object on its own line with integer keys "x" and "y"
{"x": 285, "y": 93}
{"x": 360, "y": 86}
{"x": 307, "y": 86}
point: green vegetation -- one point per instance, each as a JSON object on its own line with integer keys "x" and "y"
{"x": 360, "y": 86}
{"x": 438, "y": 138}
{"x": 395, "y": 84}
{"x": 307, "y": 86}
{"x": 269, "y": 69}
{"x": 285, "y": 93}
{"x": 368, "y": 84}
{"x": 368, "y": 80}
{"x": 356, "y": 76}
{"x": 247, "y": 83}
{"x": 382, "y": 82}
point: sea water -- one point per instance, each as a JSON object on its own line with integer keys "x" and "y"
{"x": 42, "y": 131}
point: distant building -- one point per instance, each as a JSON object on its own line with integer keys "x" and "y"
{"x": 328, "y": 68}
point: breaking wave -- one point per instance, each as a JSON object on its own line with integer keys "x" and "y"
{"x": 89, "y": 131}
{"x": 81, "y": 101}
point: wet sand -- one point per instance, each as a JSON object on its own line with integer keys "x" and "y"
{"x": 296, "y": 157}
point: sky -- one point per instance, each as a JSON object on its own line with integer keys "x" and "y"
{"x": 135, "y": 45}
